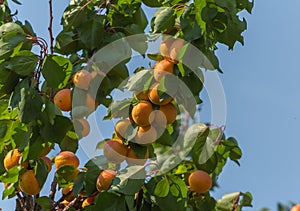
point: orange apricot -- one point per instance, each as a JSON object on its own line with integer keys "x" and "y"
{"x": 162, "y": 68}
{"x": 12, "y": 159}
{"x": 121, "y": 128}
{"x": 141, "y": 113}
{"x": 82, "y": 79}
{"x": 63, "y": 100}
{"x": 105, "y": 179}
{"x": 115, "y": 151}
{"x": 133, "y": 159}
{"x": 146, "y": 135}
{"x": 200, "y": 181}
{"x": 155, "y": 98}
{"x": 28, "y": 183}
{"x": 66, "y": 158}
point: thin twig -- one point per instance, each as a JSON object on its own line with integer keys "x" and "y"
{"x": 51, "y": 40}
{"x": 72, "y": 203}
{"x": 53, "y": 189}
{"x": 21, "y": 201}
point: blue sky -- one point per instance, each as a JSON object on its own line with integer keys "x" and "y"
{"x": 261, "y": 84}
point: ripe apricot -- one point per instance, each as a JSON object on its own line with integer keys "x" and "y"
{"x": 141, "y": 113}
{"x": 295, "y": 207}
{"x": 146, "y": 135}
{"x": 155, "y": 98}
{"x": 90, "y": 102}
{"x": 105, "y": 179}
{"x": 175, "y": 48}
{"x": 48, "y": 162}
{"x": 133, "y": 159}
{"x": 28, "y": 183}
{"x": 142, "y": 95}
{"x": 63, "y": 100}
{"x": 85, "y": 130}
{"x": 88, "y": 201}
{"x": 66, "y": 158}
{"x": 162, "y": 68}
{"x": 165, "y": 46}
{"x": 12, "y": 159}
{"x": 115, "y": 151}
{"x": 166, "y": 114}
{"x": 82, "y": 79}
{"x": 200, "y": 181}
{"x": 121, "y": 128}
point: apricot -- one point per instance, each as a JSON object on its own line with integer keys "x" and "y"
{"x": 146, "y": 135}
{"x": 133, "y": 159}
{"x": 162, "y": 68}
{"x": 63, "y": 100}
{"x": 295, "y": 207}
{"x": 66, "y": 158}
{"x": 90, "y": 102}
{"x": 175, "y": 48}
{"x": 200, "y": 181}
{"x": 82, "y": 79}
{"x": 28, "y": 183}
{"x": 121, "y": 128}
{"x": 12, "y": 159}
{"x": 166, "y": 114}
{"x": 85, "y": 130}
{"x": 142, "y": 95}
{"x": 141, "y": 113}
{"x": 115, "y": 151}
{"x": 88, "y": 201}
{"x": 105, "y": 179}
{"x": 48, "y": 163}
{"x": 165, "y": 46}
{"x": 155, "y": 98}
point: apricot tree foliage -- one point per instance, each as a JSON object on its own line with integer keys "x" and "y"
{"x": 32, "y": 123}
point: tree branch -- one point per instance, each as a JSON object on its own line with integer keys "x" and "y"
{"x": 53, "y": 189}
{"x": 21, "y": 201}
{"x": 72, "y": 203}
{"x": 50, "y": 26}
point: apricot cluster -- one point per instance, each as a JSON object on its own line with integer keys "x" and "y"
{"x": 85, "y": 102}
{"x": 28, "y": 182}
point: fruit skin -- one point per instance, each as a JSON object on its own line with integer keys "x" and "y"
{"x": 162, "y": 68}
{"x": 66, "y": 158}
{"x": 146, "y": 135}
{"x": 115, "y": 151}
{"x": 142, "y": 95}
{"x": 295, "y": 207}
{"x": 48, "y": 162}
{"x": 82, "y": 79}
{"x": 12, "y": 159}
{"x": 85, "y": 127}
{"x": 105, "y": 179}
{"x": 63, "y": 100}
{"x": 141, "y": 113}
{"x": 175, "y": 48}
{"x": 133, "y": 159}
{"x": 121, "y": 128}
{"x": 200, "y": 181}
{"x": 154, "y": 97}
{"x": 165, "y": 46}
{"x": 90, "y": 102}
{"x": 88, "y": 201}
{"x": 28, "y": 183}
{"x": 166, "y": 114}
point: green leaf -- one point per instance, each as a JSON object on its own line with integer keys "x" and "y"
{"x": 129, "y": 181}
{"x": 67, "y": 42}
{"x": 91, "y": 33}
{"x": 152, "y": 3}
{"x": 41, "y": 171}
{"x": 78, "y": 183}
{"x": 163, "y": 21}
{"x": 189, "y": 25}
{"x": 8, "y": 81}
{"x": 11, "y": 35}
{"x": 162, "y": 188}
{"x": 9, "y": 191}
{"x": 23, "y": 63}
{"x": 138, "y": 80}
{"x": 30, "y": 105}
{"x": 65, "y": 175}
{"x": 119, "y": 109}
{"x": 228, "y": 201}
{"x": 45, "y": 202}
{"x": 55, "y": 133}
{"x": 56, "y": 71}
{"x": 140, "y": 18}
{"x": 70, "y": 142}
{"x": 11, "y": 176}
{"x": 107, "y": 201}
